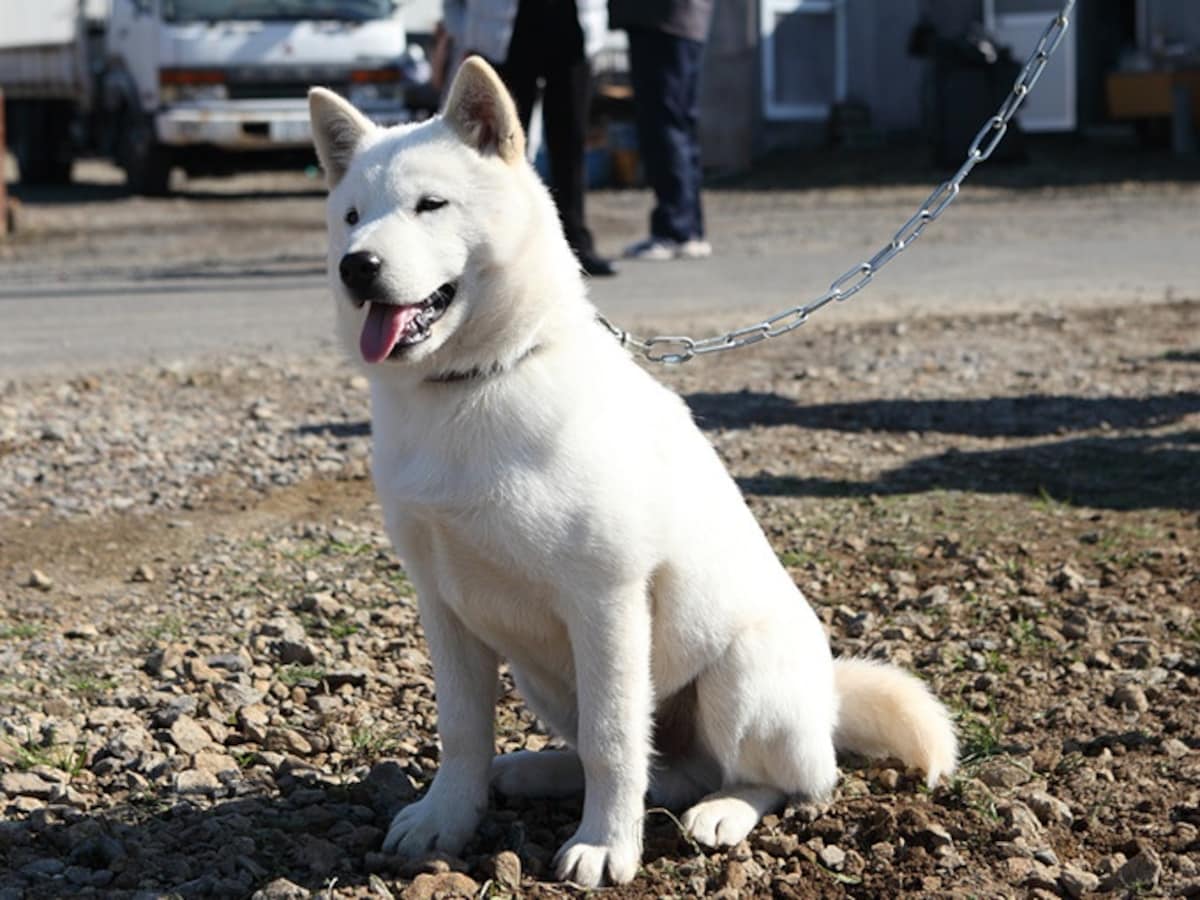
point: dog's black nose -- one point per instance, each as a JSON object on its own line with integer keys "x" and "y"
{"x": 360, "y": 272}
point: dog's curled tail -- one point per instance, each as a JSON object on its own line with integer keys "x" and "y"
{"x": 887, "y": 712}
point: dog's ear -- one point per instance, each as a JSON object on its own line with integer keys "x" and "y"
{"x": 337, "y": 128}
{"x": 482, "y": 113}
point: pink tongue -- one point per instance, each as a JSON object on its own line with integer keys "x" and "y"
{"x": 384, "y": 325}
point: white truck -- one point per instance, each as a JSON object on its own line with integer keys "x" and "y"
{"x": 204, "y": 85}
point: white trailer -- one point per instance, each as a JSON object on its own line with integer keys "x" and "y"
{"x": 205, "y": 85}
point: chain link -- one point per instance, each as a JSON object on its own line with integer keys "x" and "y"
{"x": 671, "y": 349}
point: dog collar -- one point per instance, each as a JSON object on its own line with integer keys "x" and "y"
{"x": 478, "y": 373}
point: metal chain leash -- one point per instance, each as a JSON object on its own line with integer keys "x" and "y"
{"x": 680, "y": 348}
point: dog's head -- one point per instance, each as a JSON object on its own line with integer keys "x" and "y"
{"x": 424, "y": 223}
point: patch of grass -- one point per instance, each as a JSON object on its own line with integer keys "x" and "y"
{"x": 89, "y": 686}
{"x": 1024, "y": 632}
{"x": 979, "y": 739}
{"x": 1047, "y": 502}
{"x": 343, "y": 629}
{"x": 167, "y": 627}
{"x": 975, "y": 797}
{"x": 372, "y": 741}
{"x": 292, "y": 675}
{"x": 21, "y": 631}
{"x": 64, "y": 757}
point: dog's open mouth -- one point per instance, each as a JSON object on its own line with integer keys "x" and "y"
{"x": 390, "y": 329}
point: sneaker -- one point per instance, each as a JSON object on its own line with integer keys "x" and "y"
{"x": 694, "y": 248}
{"x": 652, "y": 249}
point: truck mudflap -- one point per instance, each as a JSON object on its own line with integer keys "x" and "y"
{"x": 249, "y": 126}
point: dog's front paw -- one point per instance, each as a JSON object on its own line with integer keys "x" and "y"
{"x": 428, "y": 825}
{"x": 592, "y": 864}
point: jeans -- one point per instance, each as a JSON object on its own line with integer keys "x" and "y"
{"x": 665, "y": 71}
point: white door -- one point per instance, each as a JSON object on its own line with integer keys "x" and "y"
{"x": 1018, "y": 25}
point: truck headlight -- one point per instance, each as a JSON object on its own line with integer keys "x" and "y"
{"x": 175, "y": 85}
{"x": 373, "y": 86}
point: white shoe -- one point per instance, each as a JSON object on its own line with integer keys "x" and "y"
{"x": 652, "y": 249}
{"x": 694, "y": 248}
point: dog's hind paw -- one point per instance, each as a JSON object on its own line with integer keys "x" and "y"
{"x": 720, "y": 821}
{"x": 592, "y": 865}
{"x": 545, "y": 773}
{"x": 425, "y": 826}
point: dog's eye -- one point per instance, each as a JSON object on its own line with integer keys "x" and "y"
{"x": 351, "y": 216}
{"x": 429, "y": 204}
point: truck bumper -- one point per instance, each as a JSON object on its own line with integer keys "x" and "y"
{"x": 249, "y": 125}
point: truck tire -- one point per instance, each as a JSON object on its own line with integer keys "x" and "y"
{"x": 147, "y": 163}
{"x": 42, "y": 141}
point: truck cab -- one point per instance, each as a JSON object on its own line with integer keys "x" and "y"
{"x": 208, "y": 84}
{"x": 203, "y": 85}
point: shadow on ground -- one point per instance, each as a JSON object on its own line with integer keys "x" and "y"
{"x": 1122, "y": 473}
{"x": 312, "y": 833}
{"x": 1117, "y": 471}
{"x": 1033, "y": 415}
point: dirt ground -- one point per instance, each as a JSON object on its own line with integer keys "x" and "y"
{"x": 212, "y": 681}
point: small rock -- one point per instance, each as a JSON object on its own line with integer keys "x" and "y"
{"x": 1068, "y": 579}
{"x": 281, "y": 889}
{"x": 442, "y": 886}
{"x": 231, "y": 662}
{"x": 24, "y": 784}
{"x": 832, "y": 857}
{"x": 1020, "y": 819}
{"x": 252, "y": 720}
{"x": 40, "y": 580}
{"x": 1175, "y": 748}
{"x": 734, "y": 877}
{"x": 43, "y": 868}
{"x": 938, "y": 595}
{"x": 1076, "y": 882}
{"x": 1049, "y": 809}
{"x": 143, "y": 573}
{"x": 196, "y": 781}
{"x": 1142, "y": 870}
{"x": 506, "y": 869}
{"x": 1130, "y": 697}
{"x": 286, "y": 740}
{"x": 214, "y": 762}
{"x": 188, "y": 735}
{"x": 297, "y": 652}
{"x": 235, "y": 696}
{"x": 1002, "y": 773}
{"x": 201, "y": 672}
{"x": 888, "y": 779}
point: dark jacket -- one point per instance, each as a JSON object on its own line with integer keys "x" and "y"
{"x": 683, "y": 18}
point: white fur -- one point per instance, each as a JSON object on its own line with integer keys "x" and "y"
{"x": 566, "y": 514}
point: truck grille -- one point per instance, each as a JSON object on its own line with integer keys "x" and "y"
{"x": 278, "y": 90}
{"x": 254, "y": 83}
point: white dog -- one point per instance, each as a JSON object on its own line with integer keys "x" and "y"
{"x": 558, "y": 508}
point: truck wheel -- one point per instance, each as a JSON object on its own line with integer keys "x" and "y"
{"x": 42, "y": 141}
{"x": 147, "y": 163}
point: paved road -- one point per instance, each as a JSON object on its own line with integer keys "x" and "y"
{"x": 999, "y": 250}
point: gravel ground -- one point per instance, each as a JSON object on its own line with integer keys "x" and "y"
{"x": 212, "y": 680}
{"x": 214, "y": 683}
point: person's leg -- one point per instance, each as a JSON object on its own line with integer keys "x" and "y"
{"x": 661, "y": 111}
{"x": 521, "y": 69}
{"x": 566, "y": 98}
{"x": 691, "y": 57}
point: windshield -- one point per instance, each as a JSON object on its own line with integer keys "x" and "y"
{"x": 211, "y": 10}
